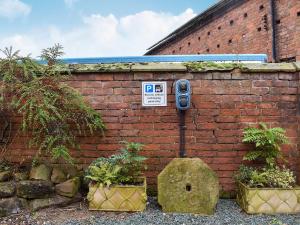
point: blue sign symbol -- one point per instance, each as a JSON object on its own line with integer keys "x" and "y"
{"x": 149, "y": 88}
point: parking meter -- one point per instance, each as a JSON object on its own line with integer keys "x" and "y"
{"x": 183, "y": 94}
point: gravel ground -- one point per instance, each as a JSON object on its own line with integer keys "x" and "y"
{"x": 228, "y": 213}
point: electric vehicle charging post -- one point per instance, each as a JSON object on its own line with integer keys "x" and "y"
{"x": 183, "y": 103}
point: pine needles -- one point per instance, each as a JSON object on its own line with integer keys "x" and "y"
{"x": 52, "y": 112}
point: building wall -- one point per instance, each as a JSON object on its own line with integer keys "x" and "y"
{"x": 288, "y": 25}
{"x": 223, "y": 103}
{"x": 245, "y": 30}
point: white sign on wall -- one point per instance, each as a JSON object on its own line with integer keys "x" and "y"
{"x": 154, "y": 93}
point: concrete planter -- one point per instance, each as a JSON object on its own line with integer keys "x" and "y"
{"x": 268, "y": 200}
{"x": 127, "y": 198}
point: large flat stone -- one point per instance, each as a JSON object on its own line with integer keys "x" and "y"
{"x": 188, "y": 186}
{"x": 69, "y": 188}
{"x": 56, "y": 200}
{"x": 5, "y": 176}
{"x": 30, "y": 189}
{"x": 109, "y": 67}
{"x": 158, "y": 67}
{"x": 41, "y": 172}
{"x": 19, "y": 176}
{"x": 268, "y": 67}
{"x": 9, "y": 206}
{"x": 7, "y": 189}
{"x": 58, "y": 176}
{"x": 201, "y": 67}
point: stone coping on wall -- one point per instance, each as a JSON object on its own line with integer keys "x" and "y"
{"x": 181, "y": 67}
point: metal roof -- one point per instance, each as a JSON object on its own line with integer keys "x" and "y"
{"x": 169, "y": 58}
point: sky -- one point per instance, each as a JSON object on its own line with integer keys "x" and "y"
{"x": 92, "y": 28}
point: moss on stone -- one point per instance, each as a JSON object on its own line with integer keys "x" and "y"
{"x": 5, "y": 176}
{"x": 68, "y": 188}
{"x": 297, "y": 65}
{"x": 188, "y": 186}
{"x": 31, "y": 189}
{"x": 268, "y": 67}
{"x": 212, "y": 66}
{"x": 173, "y": 67}
{"x": 58, "y": 176}
{"x": 7, "y": 189}
{"x": 41, "y": 172}
{"x": 114, "y": 67}
{"x": 19, "y": 176}
{"x": 158, "y": 67}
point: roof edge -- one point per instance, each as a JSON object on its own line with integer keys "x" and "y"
{"x": 216, "y": 11}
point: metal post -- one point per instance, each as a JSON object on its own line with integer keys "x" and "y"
{"x": 274, "y": 30}
{"x": 182, "y": 128}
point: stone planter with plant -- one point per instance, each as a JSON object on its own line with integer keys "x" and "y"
{"x": 116, "y": 183}
{"x": 269, "y": 188}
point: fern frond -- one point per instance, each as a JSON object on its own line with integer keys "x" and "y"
{"x": 267, "y": 143}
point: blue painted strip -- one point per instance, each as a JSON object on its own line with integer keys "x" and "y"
{"x": 168, "y": 58}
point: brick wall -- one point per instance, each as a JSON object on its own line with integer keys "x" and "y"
{"x": 223, "y": 103}
{"x": 288, "y": 28}
{"x": 246, "y": 29}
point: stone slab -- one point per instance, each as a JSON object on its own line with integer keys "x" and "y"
{"x": 115, "y": 67}
{"x": 158, "y": 67}
{"x": 7, "y": 189}
{"x": 5, "y": 176}
{"x": 41, "y": 172}
{"x": 55, "y": 200}
{"x": 9, "y": 206}
{"x": 188, "y": 185}
{"x": 68, "y": 188}
{"x": 268, "y": 67}
{"x": 31, "y": 189}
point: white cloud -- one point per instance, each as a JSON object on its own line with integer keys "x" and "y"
{"x": 99, "y": 35}
{"x": 70, "y": 3}
{"x": 13, "y": 8}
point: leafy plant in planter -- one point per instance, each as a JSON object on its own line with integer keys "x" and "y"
{"x": 116, "y": 183}
{"x": 267, "y": 143}
{"x": 268, "y": 189}
{"x": 52, "y": 112}
{"x": 266, "y": 177}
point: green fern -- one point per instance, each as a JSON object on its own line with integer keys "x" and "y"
{"x": 49, "y": 107}
{"x": 267, "y": 143}
{"x": 107, "y": 174}
{"x": 128, "y": 162}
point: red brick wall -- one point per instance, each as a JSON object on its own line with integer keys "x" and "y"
{"x": 251, "y": 34}
{"x": 288, "y": 28}
{"x": 223, "y": 103}
{"x": 298, "y": 34}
